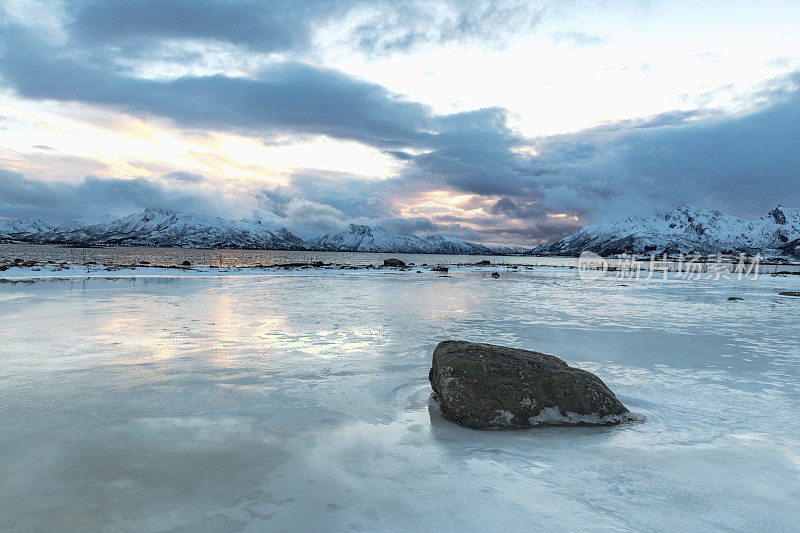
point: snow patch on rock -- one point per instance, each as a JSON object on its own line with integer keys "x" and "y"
{"x": 552, "y": 416}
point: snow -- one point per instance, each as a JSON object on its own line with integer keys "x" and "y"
{"x": 300, "y": 401}
{"x": 157, "y": 227}
{"x": 685, "y": 229}
{"x": 160, "y": 227}
{"x": 503, "y": 418}
{"x": 451, "y": 245}
{"x": 552, "y": 416}
{"x": 22, "y": 228}
{"x": 362, "y": 238}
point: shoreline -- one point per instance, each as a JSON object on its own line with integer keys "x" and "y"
{"x": 11, "y": 272}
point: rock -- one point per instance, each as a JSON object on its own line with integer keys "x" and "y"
{"x": 495, "y": 274}
{"x": 733, "y": 298}
{"x": 439, "y": 268}
{"x": 393, "y": 263}
{"x": 789, "y": 293}
{"x": 488, "y": 386}
{"x": 483, "y": 263}
{"x": 187, "y": 263}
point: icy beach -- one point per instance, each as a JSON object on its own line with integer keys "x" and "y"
{"x": 255, "y": 400}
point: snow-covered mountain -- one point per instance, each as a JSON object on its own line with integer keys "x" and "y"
{"x": 361, "y": 238}
{"x": 450, "y": 245}
{"x": 22, "y": 229}
{"x": 504, "y": 249}
{"x": 684, "y": 230}
{"x": 158, "y": 227}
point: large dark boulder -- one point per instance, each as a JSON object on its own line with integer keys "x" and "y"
{"x": 488, "y": 386}
{"x": 393, "y": 263}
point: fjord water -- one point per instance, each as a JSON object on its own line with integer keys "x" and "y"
{"x": 133, "y": 255}
{"x": 300, "y": 401}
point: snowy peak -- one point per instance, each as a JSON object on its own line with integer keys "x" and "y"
{"x": 22, "y": 228}
{"x": 362, "y": 238}
{"x": 451, "y": 245}
{"x": 685, "y": 229}
{"x": 785, "y": 216}
{"x": 160, "y": 227}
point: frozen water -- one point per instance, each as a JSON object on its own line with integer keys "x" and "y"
{"x": 301, "y": 402}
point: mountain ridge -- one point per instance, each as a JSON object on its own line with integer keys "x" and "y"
{"x": 166, "y": 228}
{"x": 685, "y": 229}
{"x": 363, "y": 238}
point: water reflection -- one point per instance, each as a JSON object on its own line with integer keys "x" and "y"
{"x": 140, "y": 255}
{"x": 276, "y": 400}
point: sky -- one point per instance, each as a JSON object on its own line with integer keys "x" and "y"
{"x": 504, "y": 122}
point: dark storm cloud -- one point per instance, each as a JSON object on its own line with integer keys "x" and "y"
{"x": 472, "y": 153}
{"x": 507, "y": 207}
{"x": 268, "y": 26}
{"x": 283, "y": 98}
{"x": 289, "y": 25}
{"x": 57, "y": 201}
{"x": 743, "y": 163}
{"x": 354, "y": 197}
{"x": 399, "y": 154}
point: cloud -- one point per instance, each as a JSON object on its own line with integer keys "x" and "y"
{"x": 507, "y": 207}
{"x": 284, "y": 98}
{"x": 462, "y": 152}
{"x": 743, "y": 163}
{"x": 472, "y": 153}
{"x": 400, "y": 26}
{"x": 91, "y": 198}
{"x": 306, "y": 218}
{"x": 578, "y": 38}
{"x": 280, "y": 26}
{"x": 353, "y": 196}
{"x": 267, "y": 26}
{"x": 186, "y": 177}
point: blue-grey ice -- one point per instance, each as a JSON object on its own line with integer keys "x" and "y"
{"x": 300, "y": 401}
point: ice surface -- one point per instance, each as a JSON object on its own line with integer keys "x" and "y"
{"x": 300, "y": 401}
